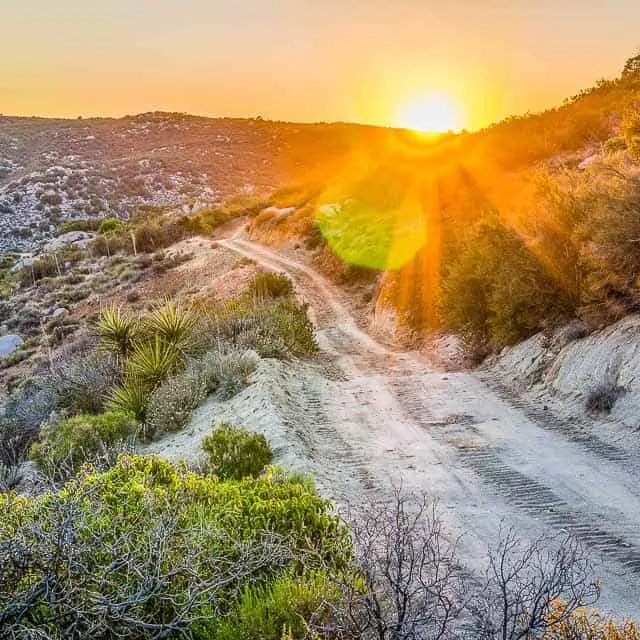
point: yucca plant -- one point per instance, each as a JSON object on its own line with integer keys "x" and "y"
{"x": 131, "y": 398}
{"x": 117, "y": 331}
{"x": 175, "y": 325}
{"x": 152, "y": 361}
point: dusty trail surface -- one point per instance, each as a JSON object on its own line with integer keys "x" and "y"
{"x": 367, "y": 416}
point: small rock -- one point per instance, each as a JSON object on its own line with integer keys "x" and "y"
{"x": 587, "y": 162}
{"x": 8, "y": 344}
{"x": 60, "y": 312}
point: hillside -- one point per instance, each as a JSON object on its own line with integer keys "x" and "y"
{"x": 493, "y": 235}
{"x": 52, "y": 171}
{"x": 239, "y": 395}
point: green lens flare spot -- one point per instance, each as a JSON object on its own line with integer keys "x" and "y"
{"x": 377, "y": 238}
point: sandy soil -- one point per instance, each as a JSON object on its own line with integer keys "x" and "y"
{"x": 365, "y": 416}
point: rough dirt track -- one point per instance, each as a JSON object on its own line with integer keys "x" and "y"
{"x": 378, "y": 416}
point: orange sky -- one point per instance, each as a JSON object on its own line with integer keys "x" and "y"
{"x": 306, "y": 60}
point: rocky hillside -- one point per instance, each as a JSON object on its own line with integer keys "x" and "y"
{"x": 52, "y": 171}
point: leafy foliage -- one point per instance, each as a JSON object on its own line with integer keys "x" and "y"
{"x": 80, "y": 562}
{"x": 589, "y": 625}
{"x": 152, "y": 361}
{"x": 116, "y": 330}
{"x": 174, "y": 325}
{"x": 497, "y": 291}
{"x": 271, "y": 285}
{"x": 234, "y": 453}
{"x": 64, "y": 447}
{"x": 284, "y": 606}
{"x": 132, "y": 397}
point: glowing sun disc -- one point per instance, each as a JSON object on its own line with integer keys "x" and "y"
{"x": 434, "y": 113}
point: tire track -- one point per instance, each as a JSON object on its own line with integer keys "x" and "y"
{"x": 573, "y": 431}
{"x": 485, "y": 473}
{"x": 536, "y": 499}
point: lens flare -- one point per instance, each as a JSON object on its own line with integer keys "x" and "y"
{"x": 367, "y": 236}
{"x": 374, "y": 217}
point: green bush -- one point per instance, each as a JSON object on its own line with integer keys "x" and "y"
{"x": 272, "y": 328}
{"x": 151, "y": 236}
{"x": 83, "y": 224}
{"x": 287, "y": 604}
{"x": 117, "y": 330}
{"x": 163, "y": 549}
{"x": 111, "y": 226}
{"x": 66, "y": 446}
{"x": 289, "y": 321}
{"x": 152, "y": 361}
{"x": 108, "y": 245}
{"x": 174, "y": 325}
{"x": 132, "y": 397}
{"x": 233, "y": 453}
{"x": 44, "y": 267}
{"x": 270, "y": 285}
{"x": 496, "y": 292}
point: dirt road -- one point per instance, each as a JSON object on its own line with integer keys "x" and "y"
{"x": 373, "y": 416}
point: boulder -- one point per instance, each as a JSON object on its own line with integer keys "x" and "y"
{"x": 78, "y": 238}
{"x": 8, "y": 344}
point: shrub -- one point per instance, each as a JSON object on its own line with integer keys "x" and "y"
{"x": 617, "y": 143}
{"x": 111, "y": 226}
{"x": 151, "y": 362}
{"x": 132, "y": 397}
{"x": 170, "y": 406}
{"x": 272, "y": 328}
{"x": 234, "y": 453}
{"x": 151, "y": 236}
{"x": 83, "y": 224}
{"x": 44, "y": 267}
{"x": 270, "y": 285}
{"x": 589, "y": 625}
{"x": 602, "y": 398}
{"x": 631, "y": 132}
{"x": 289, "y": 321}
{"x": 108, "y": 245}
{"x": 117, "y": 330}
{"x": 83, "y": 382}
{"x": 496, "y": 292}
{"x": 145, "y": 550}
{"x": 14, "y": 447}
{"x": 288, "y": 605}
{"x": 227, "y": 373}
{"x": 30, "y": 404}
{"x": 64, "y": 447}
{"x": 174, "y": 325}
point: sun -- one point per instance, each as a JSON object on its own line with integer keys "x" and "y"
{"x": 435, "y": 112}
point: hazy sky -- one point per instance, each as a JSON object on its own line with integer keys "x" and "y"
{"x": 357, "y": 60}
